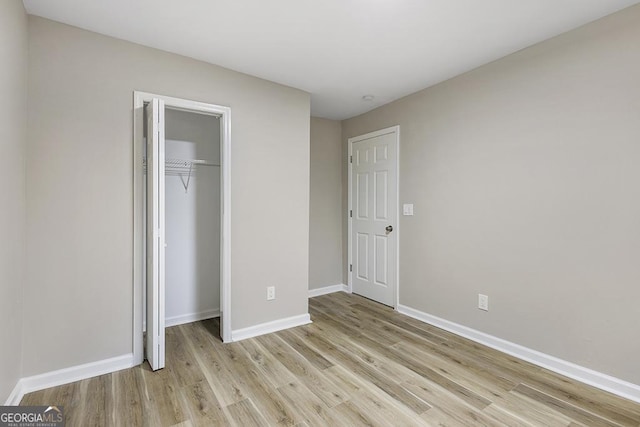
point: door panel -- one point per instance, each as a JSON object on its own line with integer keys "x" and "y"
{"x": 381, "y": 256}
{"x": 155, "y": 345}
{"x": 381, "y": 195}
{"x": 374, "y": 209}
{"x": 363, "y": 256}
{"x": 362, "y": 207}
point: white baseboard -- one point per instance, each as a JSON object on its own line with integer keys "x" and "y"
{"x": 328, "y": 290}
{"x": 192, "y": 317}
{"x": 68, "y": 375}
{"x": 268, "y": 327}
{"x": 580, "y": 373}
{"x": 16, "y": 395}
{"x": 186, "y": 318}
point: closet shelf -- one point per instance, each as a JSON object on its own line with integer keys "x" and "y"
{"x": 182, "y": 168}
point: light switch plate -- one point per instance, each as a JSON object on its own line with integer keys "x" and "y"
{"x": 407, "y": 209}
{"x": 483, "y": 302}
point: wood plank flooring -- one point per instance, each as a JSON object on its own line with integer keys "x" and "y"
{"x": 359, "y": 363}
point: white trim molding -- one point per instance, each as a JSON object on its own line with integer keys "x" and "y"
{"x": 580, "y": 373}
{"x": 328, "y": 290}
{"x": 191, "y": 317}
{"x": 68, "y": 375}
{"x": 16, "y": 395}
{"x": 269, "y": 327}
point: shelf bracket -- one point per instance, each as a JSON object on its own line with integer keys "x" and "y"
{"x": 186, "y": 185}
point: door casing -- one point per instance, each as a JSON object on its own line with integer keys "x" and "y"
{"x": 139, "y": 263}
{"x": 396, "y": 131}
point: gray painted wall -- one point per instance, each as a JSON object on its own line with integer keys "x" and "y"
{"x": 80, "y": 228}
{"x": 13, "y": 136}
{"x": 325, "y": 213}
{"x": 526, "y": 183}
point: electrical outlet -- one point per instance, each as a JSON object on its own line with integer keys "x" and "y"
{"x": 483, "y": 302}
{"x": 271, "y": 293}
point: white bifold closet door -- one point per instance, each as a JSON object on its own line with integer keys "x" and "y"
{"x": 155, "y": 342}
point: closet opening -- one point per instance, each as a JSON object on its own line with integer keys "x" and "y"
{"x": 182, "y": 219}
{"x": 192, "y": 216}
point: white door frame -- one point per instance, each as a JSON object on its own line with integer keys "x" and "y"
{"x": 395, "y": 130}
{"x": 139, "y": 99}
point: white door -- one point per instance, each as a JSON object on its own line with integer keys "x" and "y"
{"x": 374, "y": 215}
{"x": 155, "y": 234}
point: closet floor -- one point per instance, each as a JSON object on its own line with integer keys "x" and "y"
{"x": 358, "y": 363}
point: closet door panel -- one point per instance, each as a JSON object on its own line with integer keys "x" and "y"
{"x": 155, "y": 338}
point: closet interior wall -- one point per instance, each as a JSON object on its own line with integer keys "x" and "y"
{"x": 192, "y": 218}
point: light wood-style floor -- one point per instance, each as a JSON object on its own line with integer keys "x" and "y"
{"x": 359, "y": 363}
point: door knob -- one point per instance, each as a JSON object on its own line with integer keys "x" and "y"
{"x": 389, "y": 228}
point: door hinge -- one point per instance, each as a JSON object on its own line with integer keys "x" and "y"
{"x": 350, "y": 267}
{"x": 351, "y": 214}
{"x": 350, "y": 159}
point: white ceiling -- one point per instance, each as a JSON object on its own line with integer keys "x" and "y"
{"x": 337, "y": 50}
